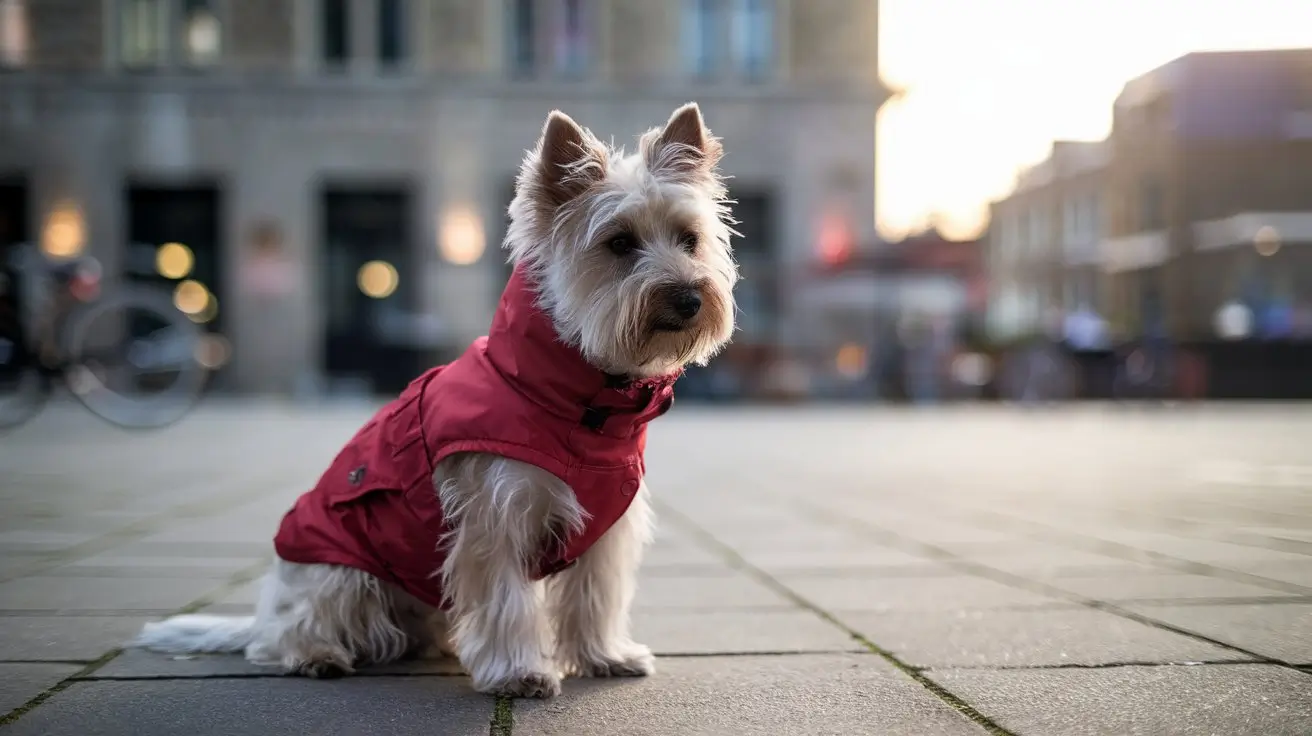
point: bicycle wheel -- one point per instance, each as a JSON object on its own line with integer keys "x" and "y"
{"x": 132, "y": 359}
{"x": 24, "y": 389}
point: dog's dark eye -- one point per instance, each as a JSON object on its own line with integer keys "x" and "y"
{"x": 622, "y": 245}
{"x": 688, "y": 241}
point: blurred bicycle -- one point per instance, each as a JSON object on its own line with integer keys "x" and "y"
{"x": 130, "y": 357}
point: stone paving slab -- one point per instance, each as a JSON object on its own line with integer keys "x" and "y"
{"x": 196, "y": 549}
{"x": 52, "y": 638}
{"x": 1298, "y": 574}
{"x": 734, "y": 591}
{"x": 1282, "y": 631}
{"x": 823, "y": 695}
{"x": 782, "y": 561}
{"x": 42, "y": 541}
{"x": 257, "y": 707}
{"x": 959, "y": 592}
{"x": 997, "y": 638}
{"x": 680, "y": 555}
{"x": 726, "y": 632}
{"x": 120, "y": 566}
{"x": 1236, "y": 700}
{"x": 1043, "y": 562}
{"x": 1221, "y": 554}
{"x": 20, "y": 682}
{"x": 43, "y": 593}
{"x": 1165, "y": 586}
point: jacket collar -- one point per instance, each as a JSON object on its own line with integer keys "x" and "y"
{"x": 524, "y": 348}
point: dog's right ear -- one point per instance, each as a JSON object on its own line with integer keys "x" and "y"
{"x": 569, "y": 159}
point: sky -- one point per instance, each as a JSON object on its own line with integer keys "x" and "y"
{"x": 990, "y": 84}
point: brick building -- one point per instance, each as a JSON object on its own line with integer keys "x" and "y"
{"x": 1044, "y": 237}
{"x": 1200, "y": 197}
{"x": 1211, "y": 155}
{"x": 337, "y": 170}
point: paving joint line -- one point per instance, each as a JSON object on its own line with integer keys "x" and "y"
{"x": 1098, "y": 666}
{"x": 1017, "y": 581}
{"x": 731, "y": 556}
{"x": 47, "y": 661}
{"x": 273, "y": 675}
{"x": 239, "y": 578}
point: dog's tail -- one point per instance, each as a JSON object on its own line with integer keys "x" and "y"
{"x": 197, "y": 634}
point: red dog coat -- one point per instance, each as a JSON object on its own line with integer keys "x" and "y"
{"x": 518, "y": 393}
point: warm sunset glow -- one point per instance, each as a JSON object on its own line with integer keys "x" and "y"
{"x": 990, "y": 85}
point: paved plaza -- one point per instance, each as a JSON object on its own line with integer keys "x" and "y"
{"x": 966, "y": 570}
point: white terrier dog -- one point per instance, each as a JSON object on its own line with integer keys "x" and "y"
{"x": 496, "y": 510}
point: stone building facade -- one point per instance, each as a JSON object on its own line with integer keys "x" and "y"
{"x": 312, "y": 153}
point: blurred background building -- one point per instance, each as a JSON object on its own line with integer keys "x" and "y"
{"x": 1197, "y": 207}
{"x": 325, "y": 181}
{"x": 324, "y": 184}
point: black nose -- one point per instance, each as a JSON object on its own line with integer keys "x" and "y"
{"x": 686, "y": 302}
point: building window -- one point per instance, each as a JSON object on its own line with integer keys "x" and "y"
{"x": 1071, "y": 217}
{"x": 1038, "y": 237}
{"x": 753, "y": 37}
{"x": 335, "y": 32}
{"x": 143, "y": 31}
{"x": 703, "y": 33}
{"x": 201, "y": 33}
{"x": 391, "y": 33}
{"x": 523, "y": 37}
{"x": 159, "y": 33}
{"x": 15, "y": 38}
{"x": 570, "y": 42}
{"x": 1151, "y": 215}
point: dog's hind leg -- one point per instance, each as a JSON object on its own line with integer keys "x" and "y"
{"x": 324, "y": 620}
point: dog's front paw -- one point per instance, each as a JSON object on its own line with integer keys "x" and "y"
{"x": 526, "y": 685}
{"x": 633, "y": 660}
{"x": 322, "y": 669}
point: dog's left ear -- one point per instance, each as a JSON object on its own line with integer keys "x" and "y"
{"x": 684, "y": 145}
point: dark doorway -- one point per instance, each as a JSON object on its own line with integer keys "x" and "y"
{"x": 757, "y": 293}
{"x": 174, "y": 242}
{"x": 369, "y": 290}
{"x": 13, "y": 216}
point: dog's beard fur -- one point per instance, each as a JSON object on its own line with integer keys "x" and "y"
{"x": 513, "y": 635}
{"x": 574, "y": 194}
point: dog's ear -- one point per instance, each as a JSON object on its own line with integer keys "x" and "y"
{"x": 684, "y": 146}
{"x": 569, "y": 160}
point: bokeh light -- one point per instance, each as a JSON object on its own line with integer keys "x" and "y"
{"x": 462, "y": 239}
{"x": 174, "y": 260}
{"x": 378, "y": 279}
{"x": 191, "y": 298}
{"x": 64, "y": 235}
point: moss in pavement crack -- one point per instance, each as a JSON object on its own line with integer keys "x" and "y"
{"x": 503, "y": 719}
